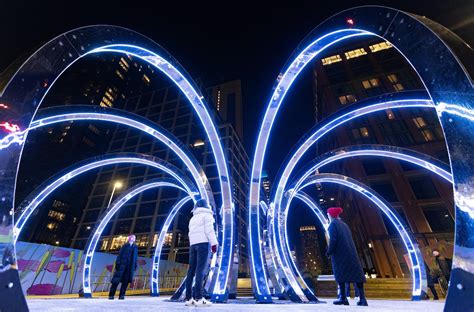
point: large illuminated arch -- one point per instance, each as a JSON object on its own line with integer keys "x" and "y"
{"x": 387, "y": 101}
{"x": 417, "y": 268}
{"x": 94, "y": 238}
{"x": 413, "y": 157}
{"x": 424, "y": 44}
{"x": 31, "y": 203}
{"x": 24, "y": 93}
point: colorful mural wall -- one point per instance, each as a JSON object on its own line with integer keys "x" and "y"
{"x": 52, "y": 270}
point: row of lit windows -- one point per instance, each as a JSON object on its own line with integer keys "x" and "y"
{"x": 356, "y": 53}
{"x": 141, "y": 241}
{"x": 56, "y": 215}
{"x": 428, "y": 135}
{"x": 369, "y": 84}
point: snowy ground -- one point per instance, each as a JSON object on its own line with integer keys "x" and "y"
{"x": 137, "y": 304}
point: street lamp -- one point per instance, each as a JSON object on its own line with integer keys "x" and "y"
{"x": 117, "y": 185}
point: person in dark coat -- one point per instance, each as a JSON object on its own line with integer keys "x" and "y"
{"x": 125, "y": 266}
{"x": 345, "y": 261}
{"x": 444, "y": 264}
{"x": 430, "y": 282}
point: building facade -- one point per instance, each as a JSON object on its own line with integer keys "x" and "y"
{"x": 145, "y": 214}
{"x": 103, "y": 80}
{"x": 362, "y": 70}
{"x": 310, "y": 256}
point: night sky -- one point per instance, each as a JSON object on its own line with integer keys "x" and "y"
{"x": 216, "y": 42}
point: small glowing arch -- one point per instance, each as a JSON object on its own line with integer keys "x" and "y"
{"x": 418, "y": 271}
{"x": 105, "y": 218}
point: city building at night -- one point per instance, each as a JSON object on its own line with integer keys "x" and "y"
{"x": 102, "y": 80}
{"x": 310, "y": 256}
{"x": 359, "y": 71}
{"x": 144, "y": 216}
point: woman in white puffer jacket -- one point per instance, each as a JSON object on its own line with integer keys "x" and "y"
{"x": 201, "y": 237}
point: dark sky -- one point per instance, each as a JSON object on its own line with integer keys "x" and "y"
{"x": 216, "y": 41}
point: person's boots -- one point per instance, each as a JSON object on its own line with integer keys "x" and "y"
{"x": 342, "y": 300}
{"x": 362, "y": 301}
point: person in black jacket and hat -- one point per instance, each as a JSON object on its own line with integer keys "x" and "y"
{"x": 125, "y": 266}
{"x": 345, "y": 261}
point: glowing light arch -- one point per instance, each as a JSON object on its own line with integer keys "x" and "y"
{"x": 93, "y": 240}
{"x": 413, "y": 157}
{"x": 154, "y": 278}
{"x": 23, "y": 94}
{"x": 414, "y": 253}
{"x": 423, "y": 43}
{"x": 388, "y": 101}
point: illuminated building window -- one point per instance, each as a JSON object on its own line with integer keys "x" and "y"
{"x": 105, "y": 243}
{"x": 355, "y": 53}
{"x": 395, "y": 82}
{"x": 390, "y": 114}
{"x": 119, "y": 74}
{"x": 142, "y": 241}
{"x": 427, "y": 133}
{"x": 155, "y": 240}
{"x": 117, "y": 242}
{"x": 52, "y": 226}
{"x": 146, "y": 79}
{"x": 360, "y": 133}
{"x": 371, "y": 83}
{"x": 105, "y": 102}
{"x": 419, "y": 122}
{"x": 124, "y": 64}
{"x": 380, "y": 46}
{"x": 331, "y": 59}
{"x": 59, "y": 216}
{"x": 168, "y": 239}
{"x": 347, "y": 99}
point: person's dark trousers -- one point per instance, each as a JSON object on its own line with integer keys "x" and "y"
{"x": 362, "y": 299}
{"x": 198, "y": 257}
{"x": 348, "y": 289}
{"x": 123, "y": 287}
{"x": 433, "y": 291}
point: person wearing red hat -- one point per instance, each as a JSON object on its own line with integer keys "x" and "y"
{"x": 345, "y": 261}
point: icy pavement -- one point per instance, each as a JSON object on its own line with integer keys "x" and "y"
{"x": 161, "y": 304}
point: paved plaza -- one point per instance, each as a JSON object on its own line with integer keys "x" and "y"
{"x": 162, "y": 304}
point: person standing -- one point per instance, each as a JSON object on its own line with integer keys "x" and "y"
{"x": 430, "y": 281}
{"x": 125, "y": 266}
{"x": 443, "y": 263}
{"x": 345, "y": 261}
{"x": 201, "y": 237}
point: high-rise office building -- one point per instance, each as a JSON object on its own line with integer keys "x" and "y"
{"x": 365, "y": 69}
{"x": 145, "y": 214}
{"x": 104, "y": 80}
{"x": 309, "y": 255}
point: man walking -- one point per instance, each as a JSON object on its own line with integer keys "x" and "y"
{"x": 201, "y": 237}
{"x": 125, "y": 266}
{"x": 345, "y": 262}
